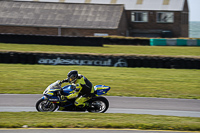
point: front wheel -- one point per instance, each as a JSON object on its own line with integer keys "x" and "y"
{"x": 98, "y": 105}
{"x": 45, "y": 106}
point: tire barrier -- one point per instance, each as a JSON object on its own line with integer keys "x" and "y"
{"x": 164, "y": 62}
{"x": 100, "y": 60}
{"x": 51, "y": 40}
{"x": 118, "y": 41}
{"x": 93, "y": 41}
{"x": 175, "y": 42}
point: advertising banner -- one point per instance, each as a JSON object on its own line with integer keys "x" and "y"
{"x": 59, "y": 60}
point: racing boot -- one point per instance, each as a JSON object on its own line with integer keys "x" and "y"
{"x": 83, "y": 107}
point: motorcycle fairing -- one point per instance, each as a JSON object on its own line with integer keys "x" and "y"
{"x": 51, "y": 98}
{"x": 67, "y": 90}
{"x": 101, "y": 89}
{"x": 44, "y": 97}
{"x": 54, "y": 99}
{"x": 50, "y": 91}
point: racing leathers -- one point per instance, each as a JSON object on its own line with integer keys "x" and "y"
{"x": 83, "y": 92}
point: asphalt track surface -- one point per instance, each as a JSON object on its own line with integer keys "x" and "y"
{"x": 130, "y": 105}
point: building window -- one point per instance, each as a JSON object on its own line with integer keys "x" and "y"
{"x": 139, "y": 2}
{"x": 139, "y": 16}
{"x": 166, "y": 2}
{"x": 165, "y": 17}
{"x": 113, "y": 2}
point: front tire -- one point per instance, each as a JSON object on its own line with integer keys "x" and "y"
{"x": 41, "y": 106}
{"x": 98, "y": 105}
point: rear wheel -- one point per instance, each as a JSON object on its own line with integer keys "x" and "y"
{"x": 45, "y": 106}
{"x": 98, "y": 105}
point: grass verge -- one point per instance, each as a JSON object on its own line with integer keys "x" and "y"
{"x": 140, "y": 82}
{"x": 107, "y": 49}
{"x": 91, "y": 120}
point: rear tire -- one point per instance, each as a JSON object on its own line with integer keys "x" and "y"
{"x": 41, "y": 103}
{"x": 98, "y": 105}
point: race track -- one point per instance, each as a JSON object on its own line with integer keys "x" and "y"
{"x": 131, "y": 105}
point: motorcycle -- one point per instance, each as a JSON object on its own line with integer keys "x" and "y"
{"x": 51, "y": 101}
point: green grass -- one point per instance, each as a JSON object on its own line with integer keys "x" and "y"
{"x": 107, "y": 49}
{"x": 91, "y": 120}
{"x": 139, "y": 82}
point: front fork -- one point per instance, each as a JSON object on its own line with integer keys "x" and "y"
{"x": 47, "y": 104}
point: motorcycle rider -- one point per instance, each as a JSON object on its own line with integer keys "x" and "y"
{"x": 84, "y": 90}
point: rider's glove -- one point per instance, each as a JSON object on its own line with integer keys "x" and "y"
{"x": 65, "y": 80}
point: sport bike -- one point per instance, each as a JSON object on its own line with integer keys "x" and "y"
{"x": 51, "y": 101}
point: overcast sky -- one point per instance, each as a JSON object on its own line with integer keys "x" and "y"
{"x": 194, "y": 7}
